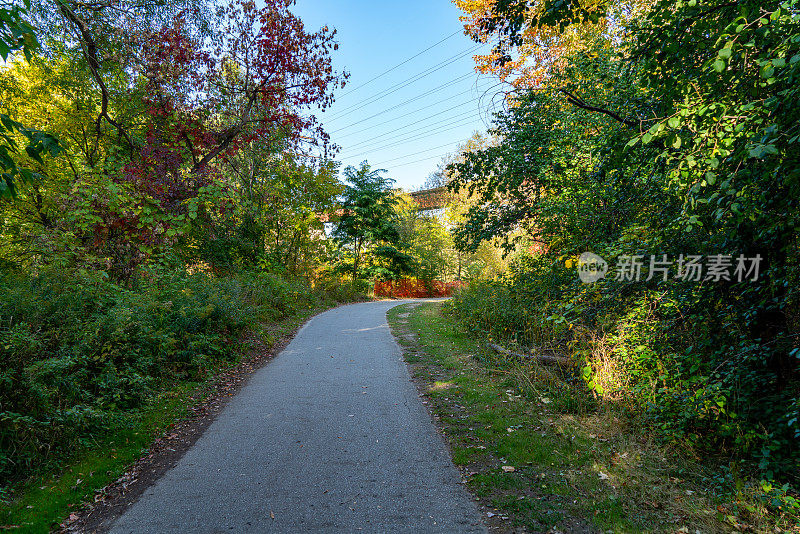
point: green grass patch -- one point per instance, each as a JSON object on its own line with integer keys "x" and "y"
{"x": 578, "y": 465}
{"x": 44, "y": 502}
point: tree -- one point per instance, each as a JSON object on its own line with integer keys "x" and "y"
{"x": 150, "y": 110}
{"x": 368, "y": 219}
{"x": 687, "y": 145}
{"x": 533, "y": 39}
{"x": 275, "y": 221}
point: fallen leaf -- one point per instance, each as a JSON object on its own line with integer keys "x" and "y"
{"x": 603, "y": 476}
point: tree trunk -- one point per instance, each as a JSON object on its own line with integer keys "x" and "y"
{"x": 543, "y": 358}
{"x": 357, "y": 258}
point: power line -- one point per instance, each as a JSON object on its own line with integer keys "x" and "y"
{"x": 408, "y": 125}
{"x": 375, "y": 140}
{"x": 420, "y": 160}
{"x": 401, "y": 63}
{"x": 401, "y": 84}
{"x": 434, "y": 104}
{"x": 414, "y": 137}
{"x": 405, "y": 116}
{"x": 415, "y": 154}
{"x": 394, "y": 88}
{"x": 411, "y": 136}
{"x": 419, "y": 124}
{"x": 443, "y": 86}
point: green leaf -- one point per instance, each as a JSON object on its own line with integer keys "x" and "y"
{"x": 34, "y": 154}
{"x": 8, "y": 124}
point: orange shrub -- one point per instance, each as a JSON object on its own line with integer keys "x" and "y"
{"x": 414, "y": 288}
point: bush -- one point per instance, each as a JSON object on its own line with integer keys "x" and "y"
{"x": 682, "y": 356}
{"x": 415, "y": 288}
{"x": 78, "y": 353}
{"x": 342, "y": 289}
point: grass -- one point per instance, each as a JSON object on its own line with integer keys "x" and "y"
{"x": 42, "y": 503}
{"x": 578, "y": 466}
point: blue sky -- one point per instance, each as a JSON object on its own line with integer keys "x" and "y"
{"x": 407, "y": 119}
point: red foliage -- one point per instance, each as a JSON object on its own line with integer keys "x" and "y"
{"x": 257, "y": 80}
{"x": 415, "y": 288}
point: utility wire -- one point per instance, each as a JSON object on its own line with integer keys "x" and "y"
{"x": 375, "y": 140}
{"x": 401, "y": 63}
{"x": 381, "y": 164}
{"x": 418, "y": 125}
{"x": 410, "y": 100}
{"x": 415, "y": 137}
{"x": 433, "y": 104}
{"x": 400, "y": 85}
{"x": 411, "y": 125}
{"x": 420, "y": 160}
{"x": 405, "y": 116}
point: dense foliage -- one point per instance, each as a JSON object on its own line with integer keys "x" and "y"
{"x": 673, "y": 132}
{"x": 82, "y": 355}
{"x": 159, "y": 201}
{"x": 155, "y": 204}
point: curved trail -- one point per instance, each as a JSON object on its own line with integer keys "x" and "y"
{"x": 328, "y": 437}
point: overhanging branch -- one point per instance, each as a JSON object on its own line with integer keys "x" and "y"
{"x": 579, "y": 102}
{"x": 90, "y": 52}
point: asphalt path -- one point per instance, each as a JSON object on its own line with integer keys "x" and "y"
{"x": 331, "y": 436}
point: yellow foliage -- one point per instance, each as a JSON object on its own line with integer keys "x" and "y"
{"x": 544, "y": 47}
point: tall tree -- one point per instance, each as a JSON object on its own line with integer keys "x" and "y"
{"x": 368, "y": 214}
{"x": 152, "y": 108}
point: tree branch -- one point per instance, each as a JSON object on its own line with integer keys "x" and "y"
{"x": 90, "y": 52}
{"x": 577, "y": 101}
{"x": 541, "y": 357}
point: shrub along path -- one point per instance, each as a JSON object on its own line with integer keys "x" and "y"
{"x": 331, "y": 435}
